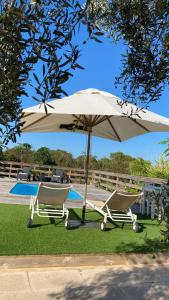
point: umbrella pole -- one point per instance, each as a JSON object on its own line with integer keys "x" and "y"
{"x": 86, "y": 174}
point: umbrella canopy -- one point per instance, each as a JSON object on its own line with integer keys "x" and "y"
{"x": 107, "y": 117}
{"x": 93, "y": 111}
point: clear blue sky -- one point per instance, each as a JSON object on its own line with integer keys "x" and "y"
{"x": 102, "y": 64}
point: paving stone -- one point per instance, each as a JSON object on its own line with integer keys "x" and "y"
{"x": 53, "y": 279}
{"x": 26, "y": 296}
{"x": 147, "y": 291}
{"x": 91, "y": 292}
{"x": 149, "y": 274}
{"x": 83, "y": 283}
{"x": 14, "y": 281}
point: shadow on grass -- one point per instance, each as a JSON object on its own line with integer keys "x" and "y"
{"x": 33, "y": 226}
{"x": 53, "y": 221}
{"x": 93, "y": 217}
{"x": 149, "y": 246}
{"x": 152, "y": 222}
{"x": 123, "y": 226}
{"x": 58, "y": 222}
{"x": 74, "y": 215}
{"x": 120, "y": 283}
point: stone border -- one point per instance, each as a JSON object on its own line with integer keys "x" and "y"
{"x": 79, "y": 260}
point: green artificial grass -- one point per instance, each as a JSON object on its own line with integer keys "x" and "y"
{"x": 48, "y": 236}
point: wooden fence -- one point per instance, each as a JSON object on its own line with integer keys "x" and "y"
{"x": 105, "y": 180}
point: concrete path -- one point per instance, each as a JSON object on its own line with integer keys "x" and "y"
{"x": 84, "y": 283}
{"x": 85, "y": 277}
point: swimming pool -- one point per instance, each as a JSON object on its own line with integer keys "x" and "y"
{"x": 30, "y": 189}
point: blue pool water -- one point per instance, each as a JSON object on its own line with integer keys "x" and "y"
{"x": 31, "y": 190}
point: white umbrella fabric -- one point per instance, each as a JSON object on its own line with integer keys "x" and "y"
{"x": 93, "y": 112}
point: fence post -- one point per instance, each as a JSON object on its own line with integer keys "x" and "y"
{"x": 107, "y": 177}
{"x": 99, "y": 180}
{"x": 93, "y": 178}
{"x": 49, "y": 171}
{"x": 10, "y": 169}
{"x": 69, "y": 175}
{"x": 117, "y": 180}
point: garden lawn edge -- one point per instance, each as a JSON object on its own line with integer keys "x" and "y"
{"x": 63, "y": 261}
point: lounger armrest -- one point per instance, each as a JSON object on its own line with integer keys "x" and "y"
{"x": 92, "y": 205}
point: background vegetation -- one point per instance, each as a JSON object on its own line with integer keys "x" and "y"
{"x": 117, "y": 162}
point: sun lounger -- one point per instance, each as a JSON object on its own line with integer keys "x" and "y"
{"x": 24, "y": 174}
{"x": 117, "y": 209}
{"x": 50, "y": 202}
{"x": 59, "y": 176}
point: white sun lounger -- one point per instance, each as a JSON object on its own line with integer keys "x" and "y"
{"x": 49, "y": 202}
{"x": 117, "y": 209}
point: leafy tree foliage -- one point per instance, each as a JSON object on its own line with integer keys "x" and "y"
{"x": 80, "y": 162}
{"x": 20, "y": 153}
{"x": 140, "y": 167}
{"x": 12, "y": 154}
{"x": 13, "y": 72}
{"x": 166, "y": 151}
{"x": 43, "y": 156}
{"x": 1, "y": 154}
{"x": 62, "y": 158}
{"x": 118, "y": 162}
{"x": 160, "y": 199}
{"x": 36, "y": 41}
{"x": 121, "y": 162}
{"x": 143, "y": 25}
{"x": 160, "y": 169}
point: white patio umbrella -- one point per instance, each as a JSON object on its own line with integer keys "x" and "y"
{"x": 93, "y": 112}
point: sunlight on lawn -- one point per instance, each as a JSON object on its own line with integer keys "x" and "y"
{"x": 49, "y": 236}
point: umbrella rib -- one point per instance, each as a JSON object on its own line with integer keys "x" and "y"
{"x": 140, "y": 125}
{"x": 89, "y": 122}
{"x": 33, "y": 123}
{"x": 83, "y": 119}
{"x": 78, "y": 118}
{"x": 101, "y": 120}
{"x": 28, "y": 114}
{"x": 95, "y": 119}
{"x": 114, "y": 130}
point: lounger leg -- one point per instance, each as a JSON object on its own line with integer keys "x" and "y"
{"x": 32, "y": 212}
{"x": 103, "y": 224}
{"x": 30, "y": 221}
{"x": 105, "y": 218}
{"x": 67, "y": 214}
{"x": 83, "y": 214}
{"x": 135, "y": 224}
{"x": 31, "y": 203}
{"x": 67, "y": 223}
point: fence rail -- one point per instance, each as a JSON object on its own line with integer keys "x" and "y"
{"x": 105, "y": 180}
